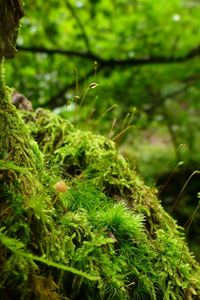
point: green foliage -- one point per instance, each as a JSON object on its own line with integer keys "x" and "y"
{"x": 127, "y": 30}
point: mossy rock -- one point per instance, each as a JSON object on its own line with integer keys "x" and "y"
{"x": 106, "y": 237}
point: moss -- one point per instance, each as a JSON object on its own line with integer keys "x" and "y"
{"x": 106, "y": 237}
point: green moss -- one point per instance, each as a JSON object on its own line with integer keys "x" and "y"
{"x": 107, "y": 237}
{"x": 18, "y": 149}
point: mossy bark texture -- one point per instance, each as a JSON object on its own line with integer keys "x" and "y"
{"x": 15, "y": 144}
{"x": 11, "y": 11}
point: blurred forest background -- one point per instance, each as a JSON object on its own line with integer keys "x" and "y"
{"x": 127, "y": 69}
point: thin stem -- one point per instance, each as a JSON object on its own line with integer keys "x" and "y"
{"x": 171, "y": 132}
{"x": 2, "y": 83}
{"x": 187, "y": 230}
{"x": 182, "y": 190}
{"x": 84, "y": 96}
{"x": 114, "y": 106}
{"x": 170, "y": 177}
{"x": 121, "y": 133}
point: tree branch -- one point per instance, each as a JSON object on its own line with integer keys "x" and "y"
{"x": 85, "y": 55}
{"x": 73, "y": 12}
{"x": 116, "y": 62}
{"x": 110, "y": 63}
{"x": 190, "y": 81}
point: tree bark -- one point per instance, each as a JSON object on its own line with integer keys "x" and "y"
{"x": 11, "y": 11}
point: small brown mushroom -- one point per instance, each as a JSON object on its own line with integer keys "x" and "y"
{"x": 61, "y": 186}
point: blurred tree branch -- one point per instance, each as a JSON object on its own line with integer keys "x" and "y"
{"x": 108, "y": 63}
{"x": 74, "y": 14}
{"x": 195, "y": 52}
{"x": 160, "y": 102}
{"x": 86, "y": 55}
{"x": 187, "y": 83}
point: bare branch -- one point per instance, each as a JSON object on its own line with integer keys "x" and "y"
{"x": 116, "y": 62}
{"x": 108, "y": 63}
{"x": 85, "y": 55}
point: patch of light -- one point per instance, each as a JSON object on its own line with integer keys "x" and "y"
{"x": 71, "y": 107}
{"x": 79, "y": 4}
{"x": 33, "y": 28}
{"x": 20, "y": 41}
{"x": 59, "y": 109}
{"x": 176, "y": 18}
{"x": 131, "y": 53}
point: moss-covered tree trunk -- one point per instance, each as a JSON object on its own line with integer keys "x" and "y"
{"x": 16, "y": 147}
{"x": 20, "y": 167}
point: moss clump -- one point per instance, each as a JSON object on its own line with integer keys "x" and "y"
{"x": 106, "y": 237}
